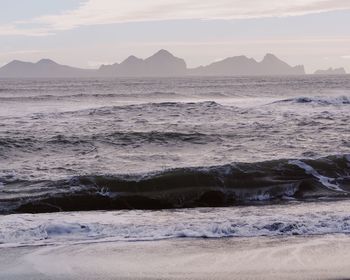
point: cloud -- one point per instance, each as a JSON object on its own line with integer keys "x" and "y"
{"x": 346, "y": 56}
{"x": 14, "y": 29}
{"x": 20, "y": 52}
{"x": 98, "y": 12}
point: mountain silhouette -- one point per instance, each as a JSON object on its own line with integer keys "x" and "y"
{"x": 44, "y": 68}
{"x": 242, "y": 66}
{"x": 160, "y": 64}
{"x": 331, "y": 71}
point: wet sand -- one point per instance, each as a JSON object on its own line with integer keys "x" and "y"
{"x": 318, "y": 257}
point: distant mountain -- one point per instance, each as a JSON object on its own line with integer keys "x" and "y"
{"x": 242, "y": 66}
{"x": 331, "y": 71}
{"x": 161, "y": 64}
{"x": 44, "y": 68}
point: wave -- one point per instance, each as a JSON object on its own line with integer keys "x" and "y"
{"x": 311, "y": 218}
{"x": 136, "y": 138}
{"x": 48, "y": 97}
{"x": 157, "y": 105}
{"x": 117, "y": 138}
{"x": 226, "y": 185}
{"x": 148, "y": 106}
{"x": 339, "y": 100}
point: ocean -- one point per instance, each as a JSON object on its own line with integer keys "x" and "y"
{"x": 148, "y": 159}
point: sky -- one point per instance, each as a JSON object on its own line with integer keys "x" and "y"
{"x": 88, "y": 33}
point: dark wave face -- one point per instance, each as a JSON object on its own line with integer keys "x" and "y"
{"x": 339, "y": 100}
{"x": 75, "y": 144}
{"x": 227, "y": 185}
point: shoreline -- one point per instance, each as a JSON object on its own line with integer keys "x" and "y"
{"x": 297, "y": 257}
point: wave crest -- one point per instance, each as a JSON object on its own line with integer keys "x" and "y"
{"x": 224, "y": 185}
{"x": 339, "y": 100}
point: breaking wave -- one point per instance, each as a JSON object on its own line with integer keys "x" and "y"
{"x": 312, "y": 218}
{"x": 339, "y": 100}
{"x": 226, "y": 185}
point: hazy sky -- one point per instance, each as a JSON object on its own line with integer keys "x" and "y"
{"x": 87, "y": 33}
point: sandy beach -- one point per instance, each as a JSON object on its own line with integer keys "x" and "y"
{"x": 320, "y": 257}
